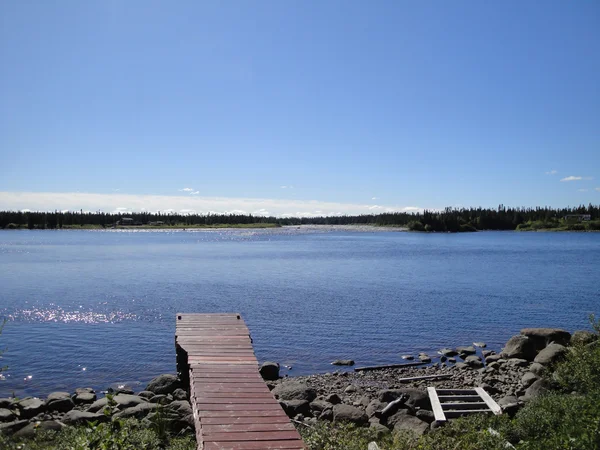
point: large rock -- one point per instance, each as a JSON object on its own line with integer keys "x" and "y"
{"x": 6, "y": 415}
{"x": 123, "y": 401}
{"x": 583, "y": 337}
{"x": 32, "y": 428}
{"x": 295, "y": 407}
{"x": 528, "y": 379}
{"x": 347, "y": 413}
{"x": 181, "y": 407}
{"x": 541, "y": 337}
{"x": 6, "y": 403}
{"x": 403, "y": 421}
{"x": 84, "y": 396}
{"x": 269, "y": 371}
{"x": 538, "y": 388}
{"x": 448, "y": 352}
{"x": 59, "y": 402}
{"x": 138, "y": 411}
{"x": 11, "y": 427}
{"x": 519, "y": 346}
{"x": 375, "y": 406}
{"x": 551, "y": 354}
{"x": 343, "y": 362}
{"x": 318, "y": 406}
{"x": 31, "y": 407}
{"x": 416, "y": 397}
{"x": 537, "y": 369}
{"x": 76, "y": 417}
{"x": 294, "y": 391}
{"x": 466, "y": 350}
{"x": 164, "y": 384}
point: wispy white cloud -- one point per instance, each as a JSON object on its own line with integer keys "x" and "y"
{"x": 186, "y": 190}
{"x": 576, "y": 178}
{"x": 598, "y": 189}
{"x": 552, "y": 172}
{"x": 582, "y": 190}
{"x": 374, "y": 198}
{"x": 195, "y": 193}
{"x": 125, "y": 203}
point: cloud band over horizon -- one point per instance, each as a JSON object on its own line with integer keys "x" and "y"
{"x": 117, "y": 202}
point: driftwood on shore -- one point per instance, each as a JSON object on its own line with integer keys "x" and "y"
{"x": 424, "y": 377}
{"x": 388, "y": 366}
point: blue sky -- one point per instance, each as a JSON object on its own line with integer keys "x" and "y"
{"x": 349, "y": 105}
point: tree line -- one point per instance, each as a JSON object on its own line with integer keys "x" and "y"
{"x": 449, "y": 219}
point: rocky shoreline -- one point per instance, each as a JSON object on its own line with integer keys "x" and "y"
{"x": 164, "y": 396}
{"x": 384, "y": 399}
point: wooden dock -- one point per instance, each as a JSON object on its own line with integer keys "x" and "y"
{"x": 233, "y": 407}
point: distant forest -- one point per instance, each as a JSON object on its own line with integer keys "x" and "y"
{"x": 450, "y": 219}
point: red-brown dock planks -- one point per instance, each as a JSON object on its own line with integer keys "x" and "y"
{"x": 233, "y": 408}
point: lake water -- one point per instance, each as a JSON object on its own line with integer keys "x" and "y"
{"x": 105, "y": 301}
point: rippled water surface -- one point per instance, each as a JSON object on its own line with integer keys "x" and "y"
{"x": 90, "y": 308}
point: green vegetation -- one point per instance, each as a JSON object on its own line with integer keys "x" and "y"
{"x": 448, "y": 220}
{"x": 114, "y": 434}
{"x": 559, "y": 225}
{"x": 127, "y": 435}
{"x": 566, "y": 418}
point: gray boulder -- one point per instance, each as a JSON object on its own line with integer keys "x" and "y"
{"x": 161, "y": 399}
{"x": 6, "y": 415}
{"x": 76, "y": 417}
{"x": 466, "y": 350}
{"x": 583, "y": 337}
{"x": 327, "y": 415}
{"x": 403, "y": 421}
{"x": 164, "y": 384}
{"x": 59, "y": 402}
{"x": 181, "y": 407}
{"x": 374, "y": 406}
{"x": 294, "y": 407}
{"x": 179, "y": 394}
{"x": 541, "y": 337}
{"x": 84, "y": 398}
{"x": 269, "y": 371}
{"x": 138, "y": 411}
{"x": 318, "y": 406}
{"x": 147, "y": 394}
{"x": 30, "y": 407}
{"x": 538, "y": 388}
{"x": 519, "y": 346}
{"x": 492, "y": 358}
{"x": 425, "y": 416}
{"x": 537, "y": 369}
{"x": 347, "y": 413}
{"x": 29, "y": 431}
{"x": 123, "y": 401}
{"x": 11, "y": 427}
{"x": 343, "y": 362}
{"x": 294, "y": 391}
{"x": 448, "y": 352}
{"x": 551, "y": 354}
{"x": 528, "y": 379}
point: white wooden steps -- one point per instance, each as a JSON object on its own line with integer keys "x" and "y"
{"x": 451, "y": 403}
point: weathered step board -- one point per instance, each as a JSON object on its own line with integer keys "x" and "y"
{"x": 233, "y": 407}
{"x": 452, "y": 403}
